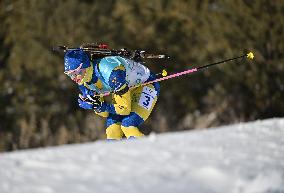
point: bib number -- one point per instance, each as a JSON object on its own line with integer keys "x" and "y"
{"x": 147, "y": 97}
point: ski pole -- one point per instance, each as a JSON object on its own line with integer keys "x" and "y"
{"x": 249, "y": 56}
{"x": 166, "y": 77}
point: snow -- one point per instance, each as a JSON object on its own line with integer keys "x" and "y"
{"x": 241, "y": 158}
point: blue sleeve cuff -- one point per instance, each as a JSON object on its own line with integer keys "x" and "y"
{"x": 85, "y": 91}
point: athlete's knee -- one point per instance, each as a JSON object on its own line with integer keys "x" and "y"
{"x": 131, "y": 132}
{"x": 114, "y": 131}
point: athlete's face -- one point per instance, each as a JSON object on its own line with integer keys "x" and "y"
{"x": 76, "y": 75}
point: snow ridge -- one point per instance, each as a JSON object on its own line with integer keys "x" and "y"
{"x": 241, "y": 158}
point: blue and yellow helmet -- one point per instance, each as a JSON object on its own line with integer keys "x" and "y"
{"x": 74, "y": 58}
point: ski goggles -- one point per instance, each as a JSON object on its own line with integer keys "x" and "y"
{"x": 74, "y": 73}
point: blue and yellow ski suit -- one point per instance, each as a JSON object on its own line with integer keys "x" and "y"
{"x": 129, "y": 108}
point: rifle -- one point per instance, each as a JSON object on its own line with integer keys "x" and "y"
{"x": 101, "y": 50}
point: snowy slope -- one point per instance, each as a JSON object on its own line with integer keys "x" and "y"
{"x": 243, "y": 158}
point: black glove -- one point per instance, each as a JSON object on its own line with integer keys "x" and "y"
{"x": 94, "y": 102}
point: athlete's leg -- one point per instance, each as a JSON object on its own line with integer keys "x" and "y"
{"x": 130, "y": 124}
{"x": 143, "y": 102}
{"x": 113, "y": 130}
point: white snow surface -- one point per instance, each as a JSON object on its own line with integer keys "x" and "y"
{"x": 241, "y": 158}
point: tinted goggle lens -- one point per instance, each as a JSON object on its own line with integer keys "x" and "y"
{"x": 72, "y": 75}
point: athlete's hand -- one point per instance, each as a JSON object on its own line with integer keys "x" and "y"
{"x": 92, "y": 102}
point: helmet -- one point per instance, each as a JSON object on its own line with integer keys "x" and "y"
{"x": 74, "y": 58}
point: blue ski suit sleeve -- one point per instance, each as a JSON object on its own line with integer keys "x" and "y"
{"x": 85, "y": 91}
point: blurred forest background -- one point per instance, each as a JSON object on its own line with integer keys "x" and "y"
{"x": 38, "y": 103}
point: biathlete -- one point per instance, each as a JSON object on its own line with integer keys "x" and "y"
{"x": 129, "y": 107}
